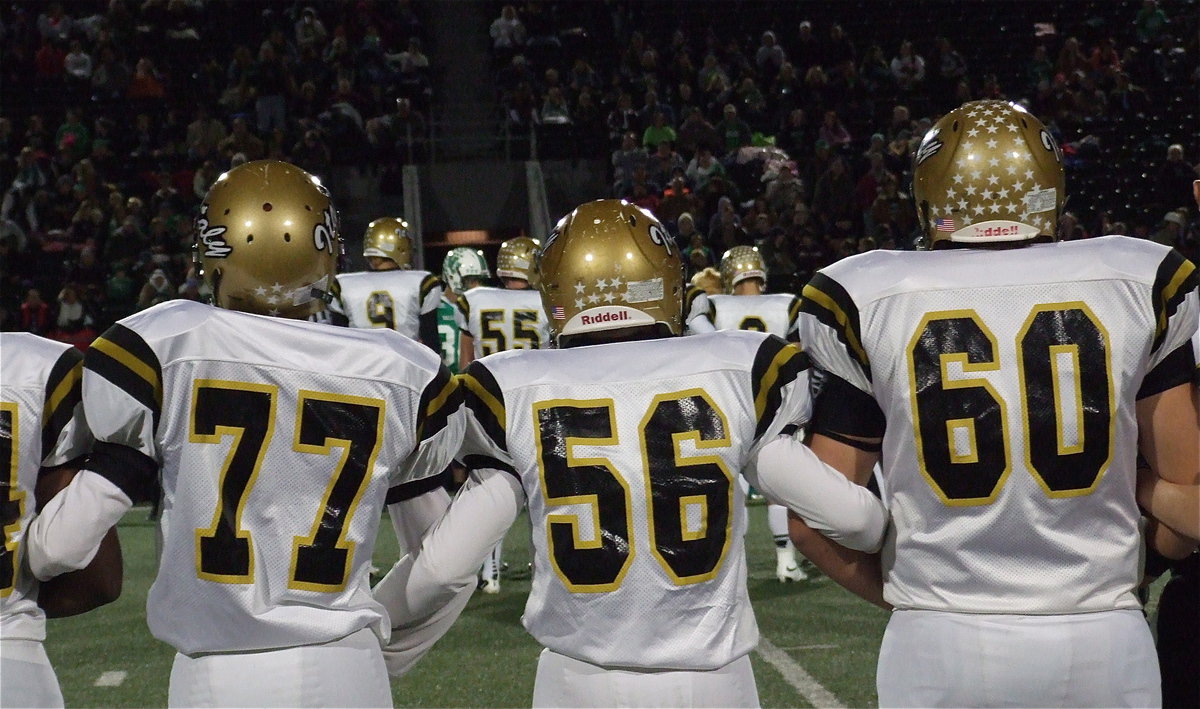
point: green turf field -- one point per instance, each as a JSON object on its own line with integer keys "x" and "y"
{"x": 487, "y": 659}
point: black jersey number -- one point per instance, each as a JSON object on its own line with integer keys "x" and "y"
{"x": 962, "y": 436}
{"x": 490, "y": 328}
{"x": 12, "y": 498}
{"x": 381, "y": 311}
{"x": 753, "y": 323}
{"x": 320, "y": 560}
{"x": 689, "y": 499}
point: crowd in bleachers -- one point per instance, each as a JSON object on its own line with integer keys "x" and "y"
{"x": 787, "y": 125}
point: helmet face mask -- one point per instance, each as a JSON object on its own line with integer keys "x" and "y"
{"x": 740, "y": 263}
{"x": 517, "y": 258}
{"x": 388, "y": 238}
{"x": 610, "y": 265}
{"x": 461, "y": 264}
{"x": 267, "y": 240}
{"x": 988, "y": 171}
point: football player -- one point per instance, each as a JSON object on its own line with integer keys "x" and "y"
{"x": 392, "y": 294}
{"x": 498, "y": 320}
{"x": 273, "y": 445}
{"x": 695, "y": 302}
{"x": 43, "y": 438}
{"x": 463, "y": 268}
{"x": 624, "y": 443}
{"x": 1005, "y": 380}
{"x": 745, "y": 305}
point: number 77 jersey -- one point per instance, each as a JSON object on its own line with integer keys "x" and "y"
{"x": 272, "y": 445}
{"x": 628, "y": 453}
{"x": 1008, "y": 381}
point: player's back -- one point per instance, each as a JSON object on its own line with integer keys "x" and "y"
{"x": 502, "y": 319}
{"x": 627, "y": 453}
{"x": 277, "y": 440}
{"x": 39, "y": 390}
{"x": 1008, "y": 380}
{"x": 387, "y": 299}
{"x": 772, "y": 312}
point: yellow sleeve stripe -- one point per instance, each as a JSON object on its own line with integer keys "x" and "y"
{"x": 819, "y": 297}
{"x": 497, "y": 409}
{"x": 781, "y": 358}
{"x": 61, "y": 391}
{"x": 132, "y": 363}
{"x": 440, "y": 400}
{"x": 1185, "y": 270}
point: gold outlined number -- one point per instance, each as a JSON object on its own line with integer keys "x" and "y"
{"x": 689, "y": 512}
{"x": 381, "y": 311}
{"x": 952, "y": 414}
{"x": 246, "y": 412}
{"x": 12, "y": 498}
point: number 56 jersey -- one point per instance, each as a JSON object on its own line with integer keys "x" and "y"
{"x": 627, "y": 454}
{"x": 1008, "y": 380}
{"x": 277, "y": 442}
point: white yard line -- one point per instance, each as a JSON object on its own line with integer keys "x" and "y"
{"x": 797, "y": 676}
{"x": 112, "y": 678}
{"x": 810, "y": 647}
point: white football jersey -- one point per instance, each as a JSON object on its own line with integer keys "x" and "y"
{"x": 773, "y": 312}
{"x": 41, "y": 425}
{"x": 1008, "y": 380}
{"x": 500, "y": 319}
{"x": 273, "y": 444}
{"x": 630, "y": 477}
{"x": 393, "y": 299}
{"x": 695, "y": 312}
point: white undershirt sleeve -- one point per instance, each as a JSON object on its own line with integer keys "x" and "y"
{"x": 788, "y": 473}
{"x": 67, "y": 534}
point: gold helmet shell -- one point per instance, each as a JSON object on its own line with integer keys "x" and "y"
{"x": 740, "y": 263}
{"x": 517, "y": 258}
{"x": 387, "y": 237}
{"x": 988, "y": 171}
{"x": 267, "y": 240}
{"x": 610, "y": 265}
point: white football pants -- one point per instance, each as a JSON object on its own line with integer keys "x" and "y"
{"x": 937, "y": 659}
{"x": 26, "y": 677}
{"x": 343, "y": 673}
{"x": 563, "y": 681}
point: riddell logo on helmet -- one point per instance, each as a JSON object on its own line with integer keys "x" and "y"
{"x": 604, "y": 317}
{"x": 996, "y": 231}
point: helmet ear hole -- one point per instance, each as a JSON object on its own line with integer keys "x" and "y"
{"x": 954, "y": 127}
{"x": 287, "y": 236}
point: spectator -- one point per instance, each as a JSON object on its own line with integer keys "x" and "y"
{"x": 663, "y": 163}
{"x": 311, "y": 154}
{"x": 241, "y": 140}
{"x": 269, "y": 82}
{"x": 35, "y": 313}
{"x": 78, "y": 65}
{"x": 627, "y": 160}
{"x": 703, "y": 168}
{"x": 734, "y": 132}
{"x": 204, "y": 178}
{"x": 508, "y": 34}
{"x": 1150, "y": 23}
{"x": 1040, "y": 69}
{"x": 783, "y": 191}
{"x": 807, "y": 49}
{"x": 951, "y": 69}
{"x": 72, "y": 317}
{"x": 695, "y": 132}
{"x": 411, "y": 59}
{"x": 204, "y": 135}
{"x": 658, "y": 132}
{"x": 54, "y": 24}
{"x": 834, "y": 132}
{"x": 833, "y": 197}
{"x": 158, "y": 289}
{"x": 310, "y": 31}
{"x": 838, "y": 47}
{"x": 1171, "y": 229}
{"x": 146, "y": 87}
{"x": 677, "y": 199}
{"x": 1070, "y": 59}
{"x": 908, "y": 68}
{"x": 876, "y": 73}
{"x": 770, "y": 57}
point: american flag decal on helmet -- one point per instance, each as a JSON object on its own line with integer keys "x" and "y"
{"x": 945, "y": 224}
{"x": 558, "y": 313}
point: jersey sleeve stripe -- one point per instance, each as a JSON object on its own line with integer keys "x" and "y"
{"x": 438, "y": 402}
{"x": 1176, "y": 278}
{"x": 122, "y": 357}
{"x": 483, "y": 397}
{"x": 63, "y": 394}
{"x": 776, "y": 365}
{"x": 416, "y": 488}
{"x": 690, "y": 299}
{"x": 828, "y": 302}
{"x": 793, "y": 311}
{"x": 428, "y": 284}
{"x": 464, "y": 307}
{"x": 134, "y": 472}
{"x": 480, "y": 462}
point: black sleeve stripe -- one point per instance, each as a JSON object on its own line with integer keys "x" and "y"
{"x": 793, "y": 311}
{"x": 483, "y": 397}
{"x": 842, "y": 409}
{"x": 826, "y": 300}
{"x": 416, "y": 488}
{"x": 427, "y": 285}
{"x": 64, "y": 391}
{"x": 712, "y": 312}
{"x": 1177, "y": 368}
{"x": 689, "y": 300}
{"x": 134, "y": 472}
{"x": 122, "y": 357}
{"x": 776, "y": 365}
{"x": 1176, "y": 278}
{"x": 441, "y": 398}
{"x": 464, "y": 307}
{"x": 478, "y": 462}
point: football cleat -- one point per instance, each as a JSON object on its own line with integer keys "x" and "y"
{"x": 490, "y": 586}
{"x": 267, "y": 240}
{"x": 516, "y": 259}
{"x": 610, "y": 265}
{"x": 388, "y": 238}
{"x": 989, "y": 171}
{"x": 740, "y": 263}
{"x": 461, "y": 263}
{"x": 787, "y": 569}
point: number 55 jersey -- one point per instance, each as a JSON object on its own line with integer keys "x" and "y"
{"x": 627, "y": 454}
{"x": 273, "y": 444}
{"x": 1008, "y": 380}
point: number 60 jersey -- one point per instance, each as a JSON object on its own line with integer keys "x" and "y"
{"x": 1009, "y": 391}
{"x": 628, "y": 453}
{"x": 278, "y": 441}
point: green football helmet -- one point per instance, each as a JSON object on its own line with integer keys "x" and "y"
{"x": 464, "y": 262}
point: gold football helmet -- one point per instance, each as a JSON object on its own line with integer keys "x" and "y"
{"x": 610, "y": 265}
{"x": 388, "y": 238}
{"x": 740, "y": 263}
{"x": 267, "y": 240}
{"x": 516, "y": 259}
{"x": 988, "y": 171}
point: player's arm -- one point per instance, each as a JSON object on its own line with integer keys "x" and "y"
{"x": 696, "y": 308}
{"x": 466, "y": 341}
{"x": 1169, "y": 439}
{"x": 94, "y": 585}
{"x": 429, "y": 297}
